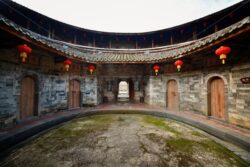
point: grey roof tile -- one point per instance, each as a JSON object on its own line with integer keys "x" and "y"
{"x": 124, "y": 55}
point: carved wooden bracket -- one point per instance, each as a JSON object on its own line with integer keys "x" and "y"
{"x": 245, "y": 80}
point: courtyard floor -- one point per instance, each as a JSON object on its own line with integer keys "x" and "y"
{"x": 123, "y": 140}
{"x": 123, "y": 134}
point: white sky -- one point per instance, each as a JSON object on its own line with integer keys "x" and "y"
{"x": 126, "y": 15}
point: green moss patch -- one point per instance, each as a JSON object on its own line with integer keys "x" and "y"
{"x": 197, "y": 134}
{"x": 161, "y": 123}
{"x": 68, "y": 135}
{"x": 181, "y": 144}
{"x": 187, "y": 148}
{"x": 223, "y": 153}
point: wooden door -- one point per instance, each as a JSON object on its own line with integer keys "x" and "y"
{"x": 27, "y": 99}
{"x": 217, "y": 98}
{"x": 172, "y": 95}
{"x": 74, "y": 94}
{"x": 131, "y": 90}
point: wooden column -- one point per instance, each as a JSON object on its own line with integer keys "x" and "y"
{"x": 215, "y": 28}
{"x": 110, "y": 44}
{"x": 194, "y": 35}
{"x": 94, "y": 41}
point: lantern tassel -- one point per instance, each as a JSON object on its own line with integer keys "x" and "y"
{"x": 179, "y": 68}
{"x": 223, "y": 61}
{"x": 23, "y": 56}
{"x": 156, "y": 72}
{"x": 67, "y": 67}
{"x": 91, "y": 71}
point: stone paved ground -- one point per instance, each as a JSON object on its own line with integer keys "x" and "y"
{"x": 123, "y": 140}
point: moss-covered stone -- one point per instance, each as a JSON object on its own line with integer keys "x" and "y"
{"x": 161, "y": 123}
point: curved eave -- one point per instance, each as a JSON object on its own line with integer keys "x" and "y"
{"x": 236, "y": 5}
{"x": 97, "y": 55}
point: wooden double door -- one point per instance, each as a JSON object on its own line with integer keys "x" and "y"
{"x": 172, "y": 95}
{"x": 217, "y": 98}
{"x": 27, "y": 98}
{"x": 74, "y": 94}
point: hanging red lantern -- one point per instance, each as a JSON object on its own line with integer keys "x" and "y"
{"x": 178, "y": 64}
{"x": 222, "y": 52}
{"x": 156, "y": 69}
{"x": 67, "y": 63}
{"x": 91, "y": 69}
{"x": 24, "y": 50}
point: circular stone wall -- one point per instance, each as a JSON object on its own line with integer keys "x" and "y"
{"x": 122, "y": 140}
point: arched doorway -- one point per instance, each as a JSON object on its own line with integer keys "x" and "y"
{"x": 27, "y": 97}
{"x": 74, "y": 94}
{"x": 123, "y": 91}
{"x": 216, "y": 98}
{"x": 172, "y": 95}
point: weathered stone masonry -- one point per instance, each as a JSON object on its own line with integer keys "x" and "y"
{"x": 51, "y": 89}
{"x": 193, "y": 92}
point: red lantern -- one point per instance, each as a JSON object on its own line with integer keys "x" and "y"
{"x": 222, "y": 52}
{"x": 178, "y": 64}
{"x": 156, "y": 69}
{"x": 91, "y": 69}
{"x": 67, "y": 63}
{"x": 24, "y": 50}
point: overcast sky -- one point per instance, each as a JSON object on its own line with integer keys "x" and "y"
{"x": 126, "y": 15}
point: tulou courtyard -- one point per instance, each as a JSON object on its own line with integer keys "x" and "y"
{"x": 122, "y": 140}
{"x": 173, "y": 96}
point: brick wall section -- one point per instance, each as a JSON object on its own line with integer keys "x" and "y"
{"x": 90, "y": 94}
{"x": 155, "y": 91}
{"x": 193, "y": 92}
{"x": 52, "y": 86}
{"x": 239, "y": 97}
{"x": 9, "y": 93}
{"x": 53, "y": 92}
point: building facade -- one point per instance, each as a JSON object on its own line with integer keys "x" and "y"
{"x": 203, "y": 85}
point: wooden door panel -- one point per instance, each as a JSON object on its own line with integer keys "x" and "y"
{"x": 217, "y": 98}
{"x": 71, "y": 94}
{"x": 27, "y": 99}
{"x": 74, "y": 94}
{"x": 172, "y": 95}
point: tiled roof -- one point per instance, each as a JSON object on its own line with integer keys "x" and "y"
{"x": 106, "y": 55}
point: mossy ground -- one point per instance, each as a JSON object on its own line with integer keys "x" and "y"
{"x": 38, "y": 151}
{"x": 120, "y": 140}
{"x": 186, "y": 148}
